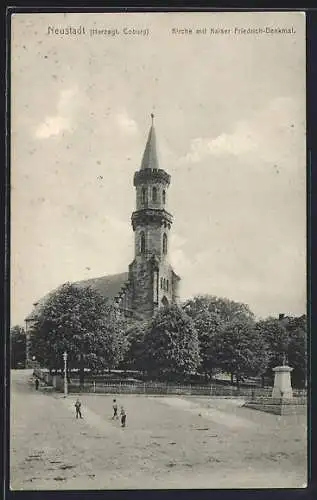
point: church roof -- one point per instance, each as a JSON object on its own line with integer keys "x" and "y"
{"x": 149, "y": 159}
{"x": 108, "y": 286}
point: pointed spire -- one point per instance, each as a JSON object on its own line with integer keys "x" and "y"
{"x": 149, "y": 159}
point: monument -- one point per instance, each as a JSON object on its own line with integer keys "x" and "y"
{"x": 282, "y": 381}
{"x": 282, "y": 401}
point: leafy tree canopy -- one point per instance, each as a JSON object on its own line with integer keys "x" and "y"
{"x": 17, "y": 347}
{"x": 81, "y": 322}
{"x": 208, "y": 324}
{"x": 135, "y": 335}
{"x": 240, "y": 349}
{"x": 171, "y": 344}
{"x": 286, "y": 337}
{"x": 211, "y": 314}
{"x": 225, "y": 309}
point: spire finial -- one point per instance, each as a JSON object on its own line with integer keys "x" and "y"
{"x": 149, "y": 159}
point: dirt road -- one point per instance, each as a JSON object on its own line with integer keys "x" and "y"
{"x": 168, "y": 443}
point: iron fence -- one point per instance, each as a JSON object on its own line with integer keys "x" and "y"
{"x": 160, "y": 388}
{"x": 125, "y": 387}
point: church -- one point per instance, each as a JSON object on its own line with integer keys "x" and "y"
{"x": 150, "y": 281}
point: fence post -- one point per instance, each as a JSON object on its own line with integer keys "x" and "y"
{"x": 210, "y": 389}
{"x": 143, "y": 387}
{"x": 94, "y": 384}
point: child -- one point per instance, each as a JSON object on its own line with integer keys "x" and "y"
{"x": 123, "y": 417}
{"x": 115, "y": 410}
{"x": 78, "y": 408}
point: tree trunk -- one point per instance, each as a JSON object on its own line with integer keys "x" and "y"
{"x": 238, "y": 381}
{"x": 231, "y": 374}
{"x": 262, "y": 381}
{"x": 81, "y": 371}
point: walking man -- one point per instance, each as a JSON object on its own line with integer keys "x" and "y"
{"x": 37, "y": 383}
{"x": 78, "y": 408}
{"x": 115, "y": 410}
{"x": 123, "y": 417}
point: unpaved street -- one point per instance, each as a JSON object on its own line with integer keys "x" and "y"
{"x": 170, "y": 442}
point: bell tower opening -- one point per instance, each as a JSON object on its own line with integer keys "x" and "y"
{"x": 142, "y": 242}
{"x": 165, "y": 244}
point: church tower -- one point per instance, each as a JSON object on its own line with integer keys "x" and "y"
{"x": 152, "y": 279}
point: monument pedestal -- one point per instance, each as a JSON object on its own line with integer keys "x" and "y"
{"x": 282, "y": 382}
{"x": 281, "y": 402}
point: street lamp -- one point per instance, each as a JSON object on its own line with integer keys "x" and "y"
{"x": 65, "y": 374}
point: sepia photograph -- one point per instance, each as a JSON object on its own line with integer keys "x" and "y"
{"x": 158, "y": 305}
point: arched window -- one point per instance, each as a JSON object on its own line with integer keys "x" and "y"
{"x": 167, "y": 285}
{"x": 143, "y": 195}
{"x": 164, "y": 196}
{"x": 142, "y": 242}
{"x": 164, "y": 243}
{"x": 161, "y": 282}
{"x": 154, "y": 194}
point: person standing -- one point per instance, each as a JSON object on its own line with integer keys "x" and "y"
{"x": 115, "y": 410}
{"x": 78, "y": 408}
{"x": 123, "y": 417}
{"x": 37, "y": 383}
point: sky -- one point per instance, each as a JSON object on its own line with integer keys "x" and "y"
{"x": 230, "y": 125}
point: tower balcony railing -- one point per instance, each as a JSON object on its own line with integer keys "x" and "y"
{"x": 148, "y": 174}
{"x": 151, "y": 215}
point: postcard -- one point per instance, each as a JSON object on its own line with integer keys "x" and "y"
{"x": 158, "y": 250}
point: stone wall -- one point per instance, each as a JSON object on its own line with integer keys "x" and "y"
{"x": 149, "y": 202}
{"x": 176, "y": 287}
{"x": 153, "y": 238}
{"x": 278, "y": 406}
{"x": 141, "y": 277}
{"x": 165, "y": 273}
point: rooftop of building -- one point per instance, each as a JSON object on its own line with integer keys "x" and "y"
{"x": 108, "y": 286}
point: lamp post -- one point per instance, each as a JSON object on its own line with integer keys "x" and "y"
{"x": 65, "y": 374}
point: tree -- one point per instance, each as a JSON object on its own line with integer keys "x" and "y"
{"x": 240, "y": 349}
{"x": 171, "y": 344}
{"x": 297, "y": 350}
{"x": 286, "y": 337}
{"x": 274, "y": 333}
{"x": 81, "y": 322}
{"x": 225, "y": 309}
{"x": 135, "y": 335}
{"x": 210, "y": 315}
{"x": 207, "y": 324}
{"x": 113, "y": 337}
{"x": 17, "y": 347}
